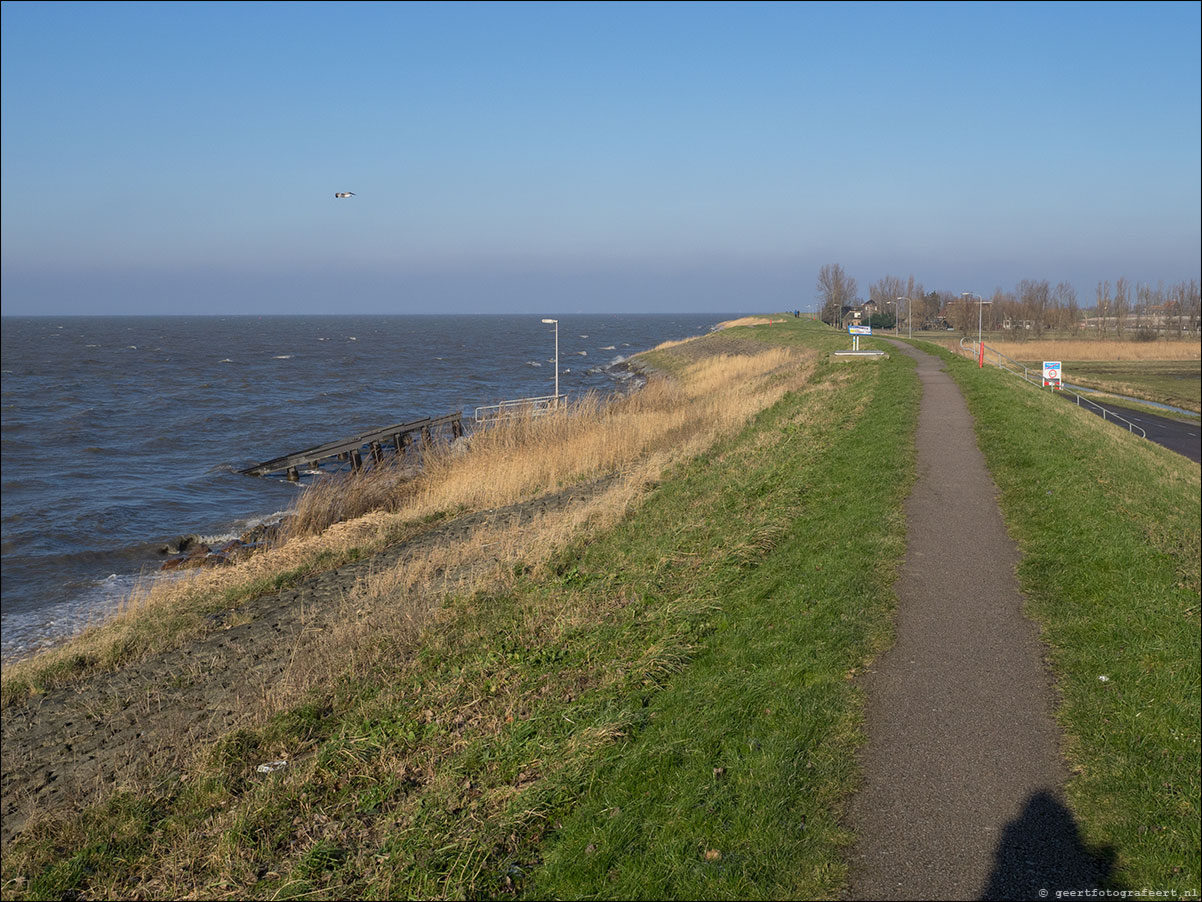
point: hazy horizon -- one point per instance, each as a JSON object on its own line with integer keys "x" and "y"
{"x": 594, "y": 157}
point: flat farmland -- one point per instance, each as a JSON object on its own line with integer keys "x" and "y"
{"x": 1167, "y": 372}
{"x": 1176, "y": 382}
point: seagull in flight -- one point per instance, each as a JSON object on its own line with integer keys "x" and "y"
{"x": 345, "y": 194}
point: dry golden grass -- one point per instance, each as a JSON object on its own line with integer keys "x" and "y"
{"x": 346, "y": 496}
{"x": 384, "y": 614}
{"x": 1092, "y": 349}
{"x": 749, "y": 321}
{"x": 637, "y": 436}
{"x": 640, "y": 435}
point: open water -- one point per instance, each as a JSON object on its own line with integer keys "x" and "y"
{"x": 122, "y": 433}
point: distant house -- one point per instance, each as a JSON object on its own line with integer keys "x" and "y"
{"x": 858, "y": 313}
{"x": 1012, "y": 323}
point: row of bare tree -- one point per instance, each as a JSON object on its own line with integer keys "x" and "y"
{"x": 1035, "y": 306}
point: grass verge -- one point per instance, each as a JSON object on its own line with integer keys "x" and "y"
{"x": 1109, "y": 529}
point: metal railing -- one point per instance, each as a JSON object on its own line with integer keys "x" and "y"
{"x": 1001, "y": 361}
{"x": 519, "y": 407}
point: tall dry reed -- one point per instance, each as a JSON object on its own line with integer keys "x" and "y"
{"x": 1083, "y": 349}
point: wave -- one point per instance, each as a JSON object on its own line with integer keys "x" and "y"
{"x": 240, "y": 528}
{"x": 28, "y": 631}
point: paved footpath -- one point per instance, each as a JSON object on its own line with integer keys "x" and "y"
{"x": 962, "y": 795}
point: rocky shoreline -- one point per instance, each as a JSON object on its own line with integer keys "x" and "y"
{"x": 189, "y": 552}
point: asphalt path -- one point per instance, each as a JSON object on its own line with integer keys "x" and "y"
{"x": 1184, "y": 438}
{"x": 962, "y": 794}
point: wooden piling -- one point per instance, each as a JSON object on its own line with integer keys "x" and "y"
{"x": 402, "y": 436}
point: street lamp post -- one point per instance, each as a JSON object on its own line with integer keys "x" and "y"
{"x": 556, "y": 324}
{"x": 909, "y": 317}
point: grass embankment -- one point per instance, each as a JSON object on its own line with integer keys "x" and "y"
{"x": 1109, "y": 530}
{"x": 652, "y": 701}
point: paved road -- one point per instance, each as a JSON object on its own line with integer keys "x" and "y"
{"x": 1184, "y": 438}
{"x": 962, "y": 795}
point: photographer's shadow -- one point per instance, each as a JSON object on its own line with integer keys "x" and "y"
{"x": 1042, "y": 850}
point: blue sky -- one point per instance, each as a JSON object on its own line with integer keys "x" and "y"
{"x": 183, "y": 157}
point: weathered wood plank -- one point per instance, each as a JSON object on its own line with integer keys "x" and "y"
{"x": 350, "y": 448}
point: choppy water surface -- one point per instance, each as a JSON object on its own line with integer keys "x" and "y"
{"x": 121, "y": 433}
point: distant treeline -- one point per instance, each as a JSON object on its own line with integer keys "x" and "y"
{"x": 1120, "y": 309}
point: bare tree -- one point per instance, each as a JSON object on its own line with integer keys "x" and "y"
{"x": 1034, "y": 298}
{"x": 1145, "y": 322}
{"x": 1122, "y": 304}
{"x": 914, "y": 291}
{"x": 888, "y": 288}
{"x": 931, "y": 309}
{"x": 1191, "y": 307}
{"x": 1068, "y": 314}
{"x": 1013, "y": 317}
{"x": 885, "y": 294}
{"x": 962, "y": 313}
{"x": 1103, "y": 309}
{"x": 1176, "y": 316}
{"x": 836, "y": 289}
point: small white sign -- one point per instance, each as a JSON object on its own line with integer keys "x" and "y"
{"x": 859, "y": 330}
{"x": 1051, "y": 373}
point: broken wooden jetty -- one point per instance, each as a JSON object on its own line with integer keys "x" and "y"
{"x": 401, "y": 437}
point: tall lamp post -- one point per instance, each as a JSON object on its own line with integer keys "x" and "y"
{"x": 909, "y": 318}
{"x": 555, "y": 322}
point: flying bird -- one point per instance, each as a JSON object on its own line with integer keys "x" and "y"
{"x": 344, "y": 194}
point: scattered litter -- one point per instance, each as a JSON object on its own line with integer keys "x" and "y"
{"x": 270, "y": 766}
{"x": 1104, "y": 678}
